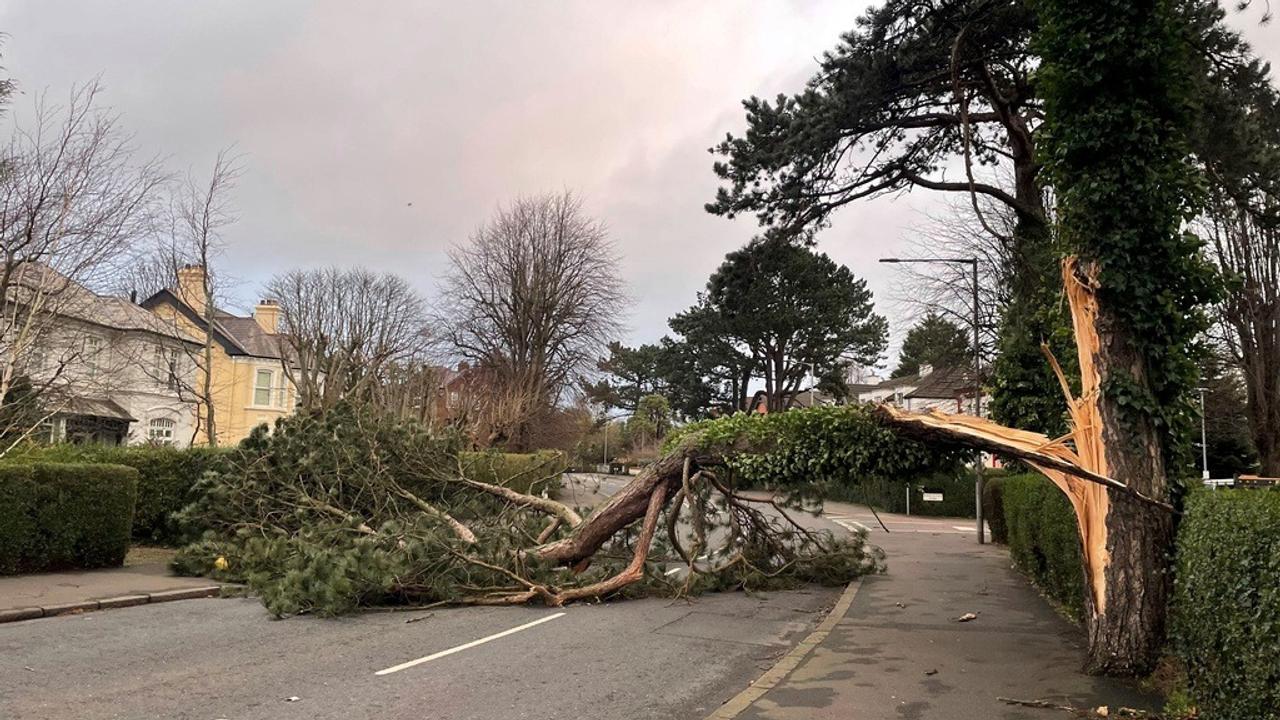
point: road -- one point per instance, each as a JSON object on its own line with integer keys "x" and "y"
{"x": 209, "y": 659}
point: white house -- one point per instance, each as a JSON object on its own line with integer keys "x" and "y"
{"x": 105, "y": 369}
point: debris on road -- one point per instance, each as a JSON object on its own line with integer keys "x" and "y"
{"x": 967, "y": 617}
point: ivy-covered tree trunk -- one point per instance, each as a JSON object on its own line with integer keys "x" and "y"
{"x": 1114, "y": 79}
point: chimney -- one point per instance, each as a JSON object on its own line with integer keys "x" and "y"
{"x": 190, "y": 288}
{"x": 267, "y": 313}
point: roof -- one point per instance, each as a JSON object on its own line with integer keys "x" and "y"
{"x": 95, "y": 407}
{"x": 68, "y": 298}
{"x": 944, "y": 384}
{"x": 240, "y": 335}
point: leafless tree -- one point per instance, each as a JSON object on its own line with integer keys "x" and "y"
{"x": 73, "y": 197}
{"x": 1247, "y": 248}
{"x": 348, "y": 332}
{"x": 531, "y": 299}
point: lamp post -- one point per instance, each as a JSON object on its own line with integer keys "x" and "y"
{"x": 1204, "y": 445}
{"x": 977, "y": 373}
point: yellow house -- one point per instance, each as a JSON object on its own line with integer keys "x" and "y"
{"x": 248, "y": 385}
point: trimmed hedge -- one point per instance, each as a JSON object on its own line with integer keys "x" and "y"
{"x": 1042, "y": 537}
{"x": 523, "y": 472}
{"x": 166, "y": 478}
{"x": 1226, "y": 609}
{"x": 957, "y": 488}
{"x": 60, "y": 516}
{"x": 993, "y": 508}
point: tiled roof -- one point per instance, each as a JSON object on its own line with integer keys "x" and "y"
{"x": 68, "y": 298}
{"x": 243, "y": 335}
{"x": 944, "y": 384}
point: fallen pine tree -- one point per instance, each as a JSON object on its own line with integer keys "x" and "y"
{"x": 345, "y": 509}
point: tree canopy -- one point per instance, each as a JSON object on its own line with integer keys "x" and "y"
{"x": 933, "y": 341}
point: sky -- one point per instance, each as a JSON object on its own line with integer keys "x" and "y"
{"x": 381, "y": 134}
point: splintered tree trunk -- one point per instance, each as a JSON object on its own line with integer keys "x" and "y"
{"x": 1125, "y": 611}
{"x": 1113, "y": 474}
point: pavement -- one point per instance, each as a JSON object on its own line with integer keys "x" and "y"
{"x": 24, "y": 597}
{"x": 899, "y": 651}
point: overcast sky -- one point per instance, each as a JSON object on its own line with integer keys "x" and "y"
{"x": 345, "y": 113}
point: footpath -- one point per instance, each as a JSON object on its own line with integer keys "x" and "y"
{"x": 26, "y": 597}
{"x": 894, "y": 648}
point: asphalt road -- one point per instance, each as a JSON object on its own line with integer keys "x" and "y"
{"x": 209, "y": 659}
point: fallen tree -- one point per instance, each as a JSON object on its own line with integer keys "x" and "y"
{"x": 344, "y": 508}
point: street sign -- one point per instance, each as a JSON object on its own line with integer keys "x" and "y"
{"x": 933, "y": 497}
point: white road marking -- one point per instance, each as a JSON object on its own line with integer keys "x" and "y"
{"x": 465, "y": 646}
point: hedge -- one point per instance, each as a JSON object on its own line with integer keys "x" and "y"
{"x": 523, "y": 472}
{"x": 993, "y": 508}
{"x": 1225, "y": 623}
{"x": 166, "y": 477}
{"x": 1043, "y": 539}
{"x": 957, "y": 488}
{"x": 60, "y": 516}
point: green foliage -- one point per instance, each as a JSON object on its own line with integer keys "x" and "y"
{"x": 59, "y": 516}
{"x": 1226, "y": 610}
{"x": 1116, "y": 80}
{"x": 530, "y": 473}
{"x": 1043, "y": 538}
{"x": 889, "y": 494}
{"x": 166, "y": 479}
{"x": 818, "y": 452}
{"x": 993, "y": 509}
{"x": 934, "y": 341}
{"x": 630, "y": 375}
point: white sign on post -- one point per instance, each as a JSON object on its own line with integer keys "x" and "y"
{"x": 933, "y": 497}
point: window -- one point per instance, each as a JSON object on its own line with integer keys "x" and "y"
{"x": 262, "y": 386}
{"x": 160, "y": 431}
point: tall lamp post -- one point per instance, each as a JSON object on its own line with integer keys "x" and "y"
{"x": 1204, "y": 445}
{"x": 977, "y": 373}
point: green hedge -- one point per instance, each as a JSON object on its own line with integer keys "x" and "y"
{"x": 993, "y": 508}
{"x": 1226, "y": 610}
{"x": 166, "y": 477}
{"x": 1042, "y": 537}
{"x": 523, "y": 472}
{"x": 889, "y": 495}
{"x": 59, "y": 516}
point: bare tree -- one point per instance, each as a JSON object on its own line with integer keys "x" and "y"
{"x": 349, "y": 332}
{"x": 73, "y": 198}
{"x": 1247, "y": 248}
{"x": 531, "y": 299}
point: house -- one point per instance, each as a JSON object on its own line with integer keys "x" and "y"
{"x": 947, "y": 389}
{"x": 106, "y": 370}
{"x": 248, "y": 382}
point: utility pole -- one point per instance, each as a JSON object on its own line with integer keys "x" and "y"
{"x": 1204, "y": 444}
{"x": 978, "y": 481}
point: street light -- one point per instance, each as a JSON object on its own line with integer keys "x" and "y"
{"x": 1204, "y": 445}
{"x": 977, "y": 372}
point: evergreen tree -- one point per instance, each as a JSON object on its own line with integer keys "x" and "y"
{"x": 934, "y": 341}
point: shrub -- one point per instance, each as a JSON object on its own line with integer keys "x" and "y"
{"x": 993, "y": 508}
{"x": 1226, "y": 607}
{"x": 58, "y": 516}
{"x": 523, "y": 472}
{"x": 166, "y": 479}
{"x": 821, "y": 451}
{"x": 1043, "y": 539}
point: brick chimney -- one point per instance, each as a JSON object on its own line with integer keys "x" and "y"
{"x": 267, "y": 313}
{"x": 190, "y": 288}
